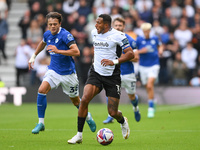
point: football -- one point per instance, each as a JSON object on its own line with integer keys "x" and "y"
{"x": 105, "y": 136}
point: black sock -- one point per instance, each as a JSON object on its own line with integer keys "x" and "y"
{"x": 81, "y": 122}
{"x": 122, "y": 120}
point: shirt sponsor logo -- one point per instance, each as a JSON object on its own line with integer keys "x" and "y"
{"x": 103, "y": 44}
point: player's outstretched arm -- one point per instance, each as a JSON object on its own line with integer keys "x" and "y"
{"x": 39, "y": 48}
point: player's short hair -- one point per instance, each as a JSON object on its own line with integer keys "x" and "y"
{"x": 120, "y": 20}
{"x": 106, "y": 18}
{"x": 54, "y": 15}
{"x": 146, "y": 26}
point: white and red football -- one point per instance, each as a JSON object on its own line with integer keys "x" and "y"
{"x": 105, "y": 136}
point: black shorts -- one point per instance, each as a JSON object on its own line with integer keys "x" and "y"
{"x": 111, "y": 84}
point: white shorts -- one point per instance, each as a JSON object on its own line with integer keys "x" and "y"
{"x": 148, "y": 72}
{"x": 128, "y": 82}
{"x": 69, "y": 83}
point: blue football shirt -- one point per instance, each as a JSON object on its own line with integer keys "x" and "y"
{"x": 150, "y": 58}
{"x": 128, "y": 67}
{"x": 61, "y": 64}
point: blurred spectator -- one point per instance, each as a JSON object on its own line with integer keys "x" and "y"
{"x": 172, "y": 45}
{"x": 3, "y": 35}
{"x": 21, "y": 60}
{"x": 79, "y": 27}
{"x": 195, "y": 81}
{"x": 173, "y": 24}
{"x": 58, "y": 7}
{"x": 36, "y": 9}
{"x": 189, "y": 56}
{"x": 50, "y": 8}
{"x": 41, "y": 22}
{"x": 89, "y": 27}
{"x": 179, "y": 70}
{"x": 189, "y": 13}
{"x": 34, "y": 32}
{"x": 183, "y": 34}
{"x": 69, "y": 22}
{"x": 115, "y": 12}
{"x": 85, "y": 63}
{"x": 129, "y": 27}
{"x": 93, "y": 15}
{"x": 24, "y": 23}
{"x": 157, "y": 10}
{"x": 143, "y": 5}
{"x": 158, "y": 29}
{"x": 165, "y": 20}
{"x": 144, "y": 10}
{"x": 70, "y": 6}
{"x": 103, "y": 9}
{"x": 165, "y": 36}
{"x": 3, "y": 9}
{"x": 130, "y": 9}
{"x": 84, "y": 9}
{"x": 107, "y": 3}
{"x": 175, "y": 10}
{"x": 196, "y": 38}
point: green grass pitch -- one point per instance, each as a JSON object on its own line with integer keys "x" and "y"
{"x": 173, "y": 128}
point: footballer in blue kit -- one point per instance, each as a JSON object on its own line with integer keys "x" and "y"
{"x": 128, "y": 79}
{"x": 61, "y": 71}
{"x": 149, "y": 50}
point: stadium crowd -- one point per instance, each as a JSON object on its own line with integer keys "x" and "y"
{"x": 175, "y": 22}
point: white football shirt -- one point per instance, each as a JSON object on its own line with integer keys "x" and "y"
{"x": 105, "y": 47}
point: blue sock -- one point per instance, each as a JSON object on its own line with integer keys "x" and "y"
{"x": 135, "y": 101}
{"x": 151, "y": 104}
{"x": 41, "y": 105}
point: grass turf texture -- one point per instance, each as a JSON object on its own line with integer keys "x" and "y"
{"x": 173, "y": 128}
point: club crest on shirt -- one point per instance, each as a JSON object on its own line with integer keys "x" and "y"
{"x": 153, "y": 42}
{"x": 70, "y": 37}
{"x": 56, "y": 41}
{"x": 49, "y": 41}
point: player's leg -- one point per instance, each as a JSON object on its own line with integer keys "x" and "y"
{"x": 89, "y": 119}
{"x": 129, "y": 83}
{"x": 134, "y": 101}
{"x": 150, "y": 92}
{"x": 109, "y": 119}
{"x": 88, "y": 93}
{"x": 115, "y": 113}
{"x": 41, "y": 106}
{"x": 153, "y": 72}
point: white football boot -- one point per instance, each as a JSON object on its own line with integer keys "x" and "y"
{"x": 75, "y": 139}
{"x": 125, "y": 129}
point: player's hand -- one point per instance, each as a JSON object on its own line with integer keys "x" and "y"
{"x": 107, "y": 62}
{"x": 52, "y": 48}
{"x": 31, "y": 61}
